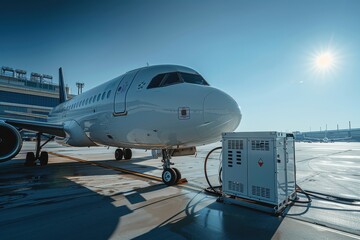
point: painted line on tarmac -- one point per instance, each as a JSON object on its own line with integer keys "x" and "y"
{"x": 98, "y": 164}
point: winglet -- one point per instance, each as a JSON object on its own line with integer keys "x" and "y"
{"x": 62, "y": 92}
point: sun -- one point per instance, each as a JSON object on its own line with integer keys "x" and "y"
{"x": 324, "y": 61}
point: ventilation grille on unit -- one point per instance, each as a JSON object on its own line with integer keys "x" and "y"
{"x": 238, "y": 157}
{"x": 260, "y": 145}
{"x": 235, "y": 144}
{"x": 260, "y": 191}
{"x": 230, "y": 159}
{"x": 236, "y": 186}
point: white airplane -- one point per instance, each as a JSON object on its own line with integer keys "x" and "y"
{"x": 326, "y": 139}
{"x": 165, "y": 107}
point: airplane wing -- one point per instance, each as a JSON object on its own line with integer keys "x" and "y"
{"x": 43, "y": 127}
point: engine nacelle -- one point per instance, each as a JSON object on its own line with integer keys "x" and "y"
{"x": 10, "y": 142}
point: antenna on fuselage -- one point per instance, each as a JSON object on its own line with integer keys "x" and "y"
{"x": 147, "y": 64}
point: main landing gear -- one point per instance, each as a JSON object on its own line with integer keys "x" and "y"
{"x": 42, "y": 156}
{"x": 125, "y": 153}
{"x": 170, "y": 176}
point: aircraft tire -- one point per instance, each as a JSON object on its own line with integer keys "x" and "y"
{"x": 44, "y": 158}
{"x": 178, "y": 174}
{"x": 119, "y": 154}
{"x": 127, "y": 153}
{"x": 169, "y": 176}
{"x": 30, "y": 159}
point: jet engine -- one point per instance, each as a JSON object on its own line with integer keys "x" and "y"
{"x": 10, "y": 142}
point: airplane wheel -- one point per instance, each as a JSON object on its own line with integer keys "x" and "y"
{"x": 119, "y": 154}
{"x": 178, "y": 174}
{"x": 127, "y": 153}
{"x": 169, "y": 176}
{"x": 44, "y": 158}
{"x": 30, "y": 159}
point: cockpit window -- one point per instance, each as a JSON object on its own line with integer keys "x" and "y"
{"x": 193, "y": 78}
{"x": 170, "y": 79}
{"x": 166, "y": 79}
{"x": 156, "y": 81}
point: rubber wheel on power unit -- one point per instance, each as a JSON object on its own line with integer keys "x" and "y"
{"x": 127, "y": 153}
{"x": 178, "y": 174}
{"x": 44, "y": 158}
{"x": 30, "y": 159}
{"x": 169, "y": 176}
{"x": 119, "y": 154}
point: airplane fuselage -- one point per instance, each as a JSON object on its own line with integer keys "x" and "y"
{"x": 140, "y": 110}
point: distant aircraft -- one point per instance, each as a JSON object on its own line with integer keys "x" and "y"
{"x": 326, "y": 139}
{"x": 165, "y": 107}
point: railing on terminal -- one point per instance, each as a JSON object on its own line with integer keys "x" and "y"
{"x": 42, "y": 82}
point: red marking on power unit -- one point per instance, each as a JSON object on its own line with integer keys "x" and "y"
{"x": 260, "y": 162}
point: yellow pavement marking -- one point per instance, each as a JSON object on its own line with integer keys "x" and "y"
{"x": 98, "y": 164}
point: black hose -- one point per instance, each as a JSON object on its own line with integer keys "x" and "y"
{"x": 299, "y": 190}
{"x": 212, "y": 189}
{"x": 335, "y": 199}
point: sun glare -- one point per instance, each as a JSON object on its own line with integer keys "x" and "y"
{"x": 324, "y": 62}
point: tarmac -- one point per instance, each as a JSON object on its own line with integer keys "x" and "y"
{"x": 83, "y": 193}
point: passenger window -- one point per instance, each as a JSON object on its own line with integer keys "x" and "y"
{"x": 108, "y": 94}
{"x": 156, "y": 81}
{"x": 98, "y": 98}
{"x": 193, "y": 78}
{"x": 94, "y": 98}
{"x": 86, "y": 101}
{"x": 103, "y": 96}
{"x": 170, "y": 79}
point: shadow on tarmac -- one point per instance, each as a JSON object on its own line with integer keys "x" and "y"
{"x": 40, "y": 202}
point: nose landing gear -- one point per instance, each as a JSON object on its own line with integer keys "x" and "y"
{"x": 170, "y": 176}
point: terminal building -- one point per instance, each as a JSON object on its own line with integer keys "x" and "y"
{"x": 27, "y": 97}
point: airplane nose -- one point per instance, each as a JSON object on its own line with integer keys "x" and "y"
{"x": 221, "y": 110}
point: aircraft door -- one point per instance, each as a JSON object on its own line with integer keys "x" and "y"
{"x": 121, "y": 92}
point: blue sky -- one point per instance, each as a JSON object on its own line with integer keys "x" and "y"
{"x": 260, "y": 52}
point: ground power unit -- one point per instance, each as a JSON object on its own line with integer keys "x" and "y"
{"x": 258, "y": 169}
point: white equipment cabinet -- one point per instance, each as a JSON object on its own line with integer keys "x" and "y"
{"x": 259, "y": 166}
